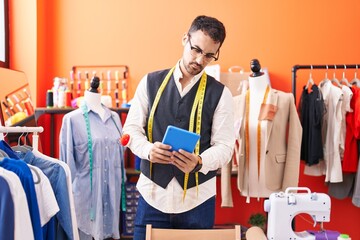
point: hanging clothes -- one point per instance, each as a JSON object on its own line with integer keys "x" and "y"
{"x": 37, "y": 153}
{"x": 57, "y": 177}
{"x": 351, "y": 153}
{"x": 27, "y": 181}
{"x": 311, "y": 111}
{"x": 331, "y": 131}
{"x": 6, "y": 211}
{"x": 22, "y": 221}
{"x": 97, "y": 205}
{"x": 347, "y": 96}
{"x": 283, "y": 144}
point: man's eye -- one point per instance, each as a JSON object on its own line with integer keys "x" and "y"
{"x": 198, "y": 50}
{"x": 209, "y": 55}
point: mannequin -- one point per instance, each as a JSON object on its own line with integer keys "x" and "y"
{"x": 277, "y": 136}
{"x": 258, "y": 84}
{"x": 89, "y": 145}
{"x": 92, "y": 98}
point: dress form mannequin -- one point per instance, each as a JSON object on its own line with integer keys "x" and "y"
{"x": 92, "y": 98}
{"x": 258, "y": 83}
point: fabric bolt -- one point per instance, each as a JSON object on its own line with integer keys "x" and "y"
{"x": 56, "y": 175}
{"x": 170, "y": 199}
{"x": 6, "y": 212}
{"x": 23, "y": 172}
{"x": 102, "y": 199}
{"x": 22, "y": 221}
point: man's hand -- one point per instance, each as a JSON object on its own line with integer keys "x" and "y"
{"x": 160, "y": 153}
{"x": 184, "y": 160}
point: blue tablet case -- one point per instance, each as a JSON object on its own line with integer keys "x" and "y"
{"x": 179, "y": 138}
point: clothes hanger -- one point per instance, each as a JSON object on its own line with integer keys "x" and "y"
{"x": 310, "y": 82}
{"x": 334, "y": 80}
{"x": 3, "y": 154}
{"x": 37, "y": 153}
{"x": 18, "y": 147}
{"x": 25, "y": 143}
{"x": 344, "y": 80}
{"x": 326, "y": 79}
{"x": 355, "y": 81}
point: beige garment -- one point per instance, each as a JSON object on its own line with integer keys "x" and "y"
{"x": 333, "y": 98}
{"x": 283, "y": 143}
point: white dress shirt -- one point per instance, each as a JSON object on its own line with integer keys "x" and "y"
{"x": 170, "y": 199}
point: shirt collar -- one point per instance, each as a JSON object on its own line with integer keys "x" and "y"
{"x": 107, "y": 111}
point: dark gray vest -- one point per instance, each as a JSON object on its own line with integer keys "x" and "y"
{"x": 174, "y": 110}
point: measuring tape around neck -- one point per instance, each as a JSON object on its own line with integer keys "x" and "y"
{"x": 196, "y": 108}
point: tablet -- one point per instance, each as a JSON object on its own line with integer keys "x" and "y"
{"x": 179, "y": 138}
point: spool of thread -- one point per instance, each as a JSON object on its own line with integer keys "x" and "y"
{"x": 344, "y": 237}
{"x": 68, "y": 98}
{"x": 29, "y": 107}
{"x": 49, "y": 99}
{"x": 61, "y": 98}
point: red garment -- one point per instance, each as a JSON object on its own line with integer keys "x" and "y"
{"x": 351, "y": 153}
{"x": 356, "y": 107}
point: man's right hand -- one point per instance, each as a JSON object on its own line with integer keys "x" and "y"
{"x": 160, "y": 153}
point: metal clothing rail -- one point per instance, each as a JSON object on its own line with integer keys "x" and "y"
{"x": 329, "y": 66}
{"x": 19, "y": 129}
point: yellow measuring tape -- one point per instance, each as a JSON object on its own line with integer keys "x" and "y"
{"x": 247, "y": 131}
{"x": 197, "y": 105}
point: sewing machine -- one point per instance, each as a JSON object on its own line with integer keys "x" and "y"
{"x": 283, "y": 207}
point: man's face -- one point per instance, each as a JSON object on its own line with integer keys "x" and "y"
{"x": 199, "y": 51}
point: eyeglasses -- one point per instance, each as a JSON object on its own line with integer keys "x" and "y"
{"x": 208, "y": 57}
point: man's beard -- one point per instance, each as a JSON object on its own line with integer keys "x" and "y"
{"x": 193, "y": 68}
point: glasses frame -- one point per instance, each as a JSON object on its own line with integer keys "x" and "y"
{"x": 208, "y": 57}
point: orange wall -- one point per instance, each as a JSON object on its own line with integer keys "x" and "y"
{"x": 146, "y": 35}
{"x": 23, "y": 40}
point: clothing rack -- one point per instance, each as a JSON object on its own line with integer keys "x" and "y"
{"x": 328, "y": 66}
{"x": 19, "y": 129}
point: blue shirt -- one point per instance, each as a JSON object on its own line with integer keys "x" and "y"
{"x": 7, "y": 149}
{"x": 57, "y": 177}
{"x": 103, "y": 201}
{"x": 21, "y": 169}
{"x": 6, "y": 211}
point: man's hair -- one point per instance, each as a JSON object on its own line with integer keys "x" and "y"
{"x": 210, "y": 26}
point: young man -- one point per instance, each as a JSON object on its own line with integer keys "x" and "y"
{"x": 178, "y": 188}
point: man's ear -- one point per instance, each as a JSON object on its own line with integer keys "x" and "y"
{"x": 185, "y": 39}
